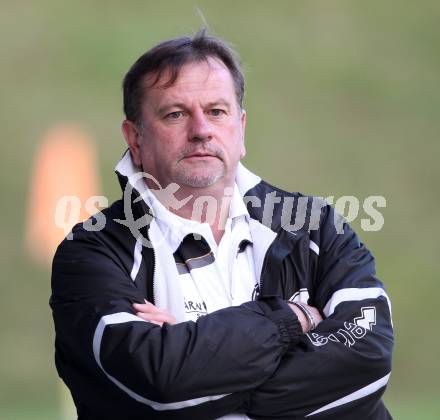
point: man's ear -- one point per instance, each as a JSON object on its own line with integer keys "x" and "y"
{"x": 243, "y": 130}
{"x": 133, "y": 138}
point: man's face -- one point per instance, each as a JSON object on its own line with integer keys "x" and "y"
{"x": 192, "y": 132}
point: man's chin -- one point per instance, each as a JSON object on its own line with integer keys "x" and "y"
{"x": 199, "y": 179}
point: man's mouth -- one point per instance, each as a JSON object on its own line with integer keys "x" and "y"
{"x": 199, "y": 155}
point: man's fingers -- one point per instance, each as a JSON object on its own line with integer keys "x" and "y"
{"x": 148, "y": 307}
{"x": 315, "y": 313}
{"x": 156, "y": 316}
{"x": 145, "y": 307}
{"x": 152, "y": 312}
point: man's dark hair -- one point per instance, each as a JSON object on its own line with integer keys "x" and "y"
{"x": 172, "y": 55}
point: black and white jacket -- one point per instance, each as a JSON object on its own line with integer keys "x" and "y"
{"x": 251, "y": 358}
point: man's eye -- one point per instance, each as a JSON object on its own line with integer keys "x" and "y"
{"x": 216, "y": 112}
{"x": 174, "y": 115}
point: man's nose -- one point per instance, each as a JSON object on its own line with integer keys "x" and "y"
{"x": 200, "y": 127}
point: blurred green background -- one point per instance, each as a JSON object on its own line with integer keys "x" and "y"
{"x": 347, "y": 90}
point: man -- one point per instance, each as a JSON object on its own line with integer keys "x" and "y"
{"x": 209, "y": 292}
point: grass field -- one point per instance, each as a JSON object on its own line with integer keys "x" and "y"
{"x": 347, "y": 90}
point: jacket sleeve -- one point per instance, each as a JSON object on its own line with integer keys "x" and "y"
{"x": 117, "y": 365}
{"x": 340, "y": 369}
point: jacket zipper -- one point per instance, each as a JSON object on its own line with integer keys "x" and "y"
{"x": 155, "y": 268}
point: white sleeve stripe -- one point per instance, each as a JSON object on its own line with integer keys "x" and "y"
{"x": 314, "y": 247}
{"x": 302, "y": 296}
{"x": 360, "y": 393}
{"x": 123, "y": 317}
{"x": 353, "y": 294}
{"x": 137, "y": 259}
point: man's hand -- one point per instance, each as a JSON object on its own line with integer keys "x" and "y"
{"x": 303, "y": 319}
{"x": 153, "y": 314}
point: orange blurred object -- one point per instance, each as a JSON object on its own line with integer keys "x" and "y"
{"x": 65, "y": 165}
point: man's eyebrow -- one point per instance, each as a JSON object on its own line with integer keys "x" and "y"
{"x": 222, "y": 102}
{"x": 165, "y": 108}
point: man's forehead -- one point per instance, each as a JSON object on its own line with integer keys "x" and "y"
{"x": 195, "y": 75}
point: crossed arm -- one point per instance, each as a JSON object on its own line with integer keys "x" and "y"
{"x": 248, "y": 358}
{"x": 309, "y": 376}
{"x": 150, "y": 313}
